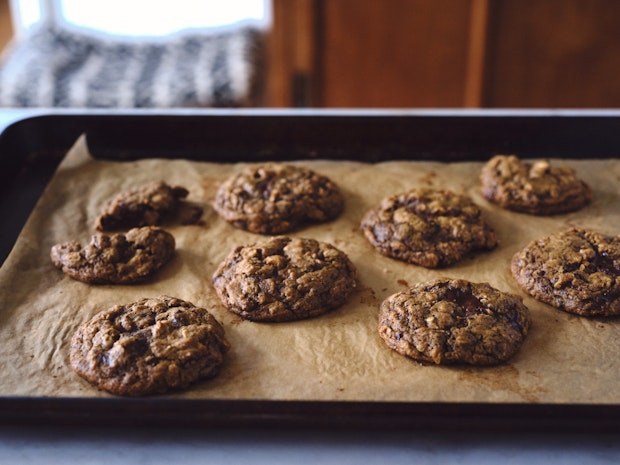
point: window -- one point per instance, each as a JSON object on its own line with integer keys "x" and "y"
{"x": 141, "y": 17}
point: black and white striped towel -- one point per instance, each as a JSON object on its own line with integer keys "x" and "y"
{"x": 57, "y": 67}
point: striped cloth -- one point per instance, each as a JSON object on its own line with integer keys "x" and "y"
{"x": 57, "y": 67}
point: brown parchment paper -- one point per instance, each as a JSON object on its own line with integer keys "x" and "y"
{"x": 338, "y": 356}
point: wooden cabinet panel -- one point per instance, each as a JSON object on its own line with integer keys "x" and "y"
{"x": 399, "y": 53}
{"x": 446, "y": 53}
{"x": 293, "y": 59}
{"x": 553, "y": 53}
{"x": 6, "y": 26}
{"x": 370, "y": 53}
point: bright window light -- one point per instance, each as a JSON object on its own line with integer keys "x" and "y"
{"x": 145, "y": 17}
{"x": 156, "y": 17}
{"x": 25, "y": 13}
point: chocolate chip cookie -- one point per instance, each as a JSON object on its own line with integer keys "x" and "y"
{"x": 276, "y": 199}
{"x": 454, "y": 321}
{"x": 576, "y": 270}
{"x": 428, "y": 227}
{"x": 116, "y": 258}
{"x": 284, "y": 279}
{"x": 148, "y": 347}
{"x": 148, "y": 205}
{"x": 536, "y": 188}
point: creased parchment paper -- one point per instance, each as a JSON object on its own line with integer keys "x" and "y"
{"x": 338, "y": 356}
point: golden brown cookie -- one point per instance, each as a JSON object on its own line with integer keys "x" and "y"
{"x": 284, "y": 279}
{"x": 536, "y": 188}
{"x": 276, "y": 199}
{"x": 116, "y": 258}
{"x": 146, "y": 205}
{"x": 448, "y": 321}
{"x": 428, "y": 227}
{"x": 576, "y": 270}
{"x": 148, "y": 347}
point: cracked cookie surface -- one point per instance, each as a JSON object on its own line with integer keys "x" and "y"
{"x": 285, "y": 279}
{"x": 146, "y": 205}
{"x": 148, "y": 347}
{"x": 454, "y": 321}
{"x": 277, "y": 198}
{"x": 576, "y": 270}
{"x": 428, "y": 227}
{"x": 118, "y": 258}
{"x": 536, "y": 188}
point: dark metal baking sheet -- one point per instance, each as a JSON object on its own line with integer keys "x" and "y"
{"x": 32, "y": 146}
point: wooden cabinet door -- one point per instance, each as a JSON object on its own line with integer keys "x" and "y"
{"x": 370, "y": 53}
{"x": 553, "y": 53}
{"x": 395, "y": 53}
{"x": 445, "y": 53}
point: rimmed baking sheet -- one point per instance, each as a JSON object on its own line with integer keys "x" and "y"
{"x": 294, "y": 370}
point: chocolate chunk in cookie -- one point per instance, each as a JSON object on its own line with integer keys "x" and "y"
{"x": 116, "y": 258}
{"x": 427, "y": 227}
{"x": 148, "y": 205}
{"x": 148, "y": 347}
{"x": 284, "y": 279}
{"x": 576, "y": 270}
{"x": 536, "y": 188}
{"x": 454, "y": 321}
{"x": 275, "y": 199}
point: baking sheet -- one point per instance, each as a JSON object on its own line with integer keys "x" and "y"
{"x": 337, "y": 357}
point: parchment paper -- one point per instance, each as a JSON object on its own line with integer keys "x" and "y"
{"x": 338, "y": 356}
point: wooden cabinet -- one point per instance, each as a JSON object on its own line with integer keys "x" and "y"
{"x": 6, "y": 26}
{"x": 445, "y": 53}
{"x": 553, "y": 53}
